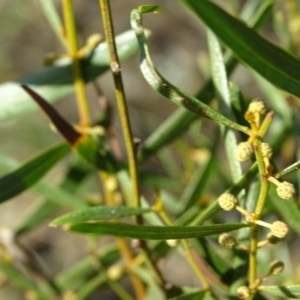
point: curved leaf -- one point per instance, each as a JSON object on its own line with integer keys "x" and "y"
{"x": 292, "y": 291}
{"x": 31, "y": 171}
{"x": 270, "y": 61}
{"x": 56, "y": 82}
{"x": 99, "y": 213}
{"x": 153, "y": 232}
{"x": 165, "y": 88}
{"x": 180, "y": 120}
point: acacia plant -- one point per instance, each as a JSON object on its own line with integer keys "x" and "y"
{"x": 239, "y": 254}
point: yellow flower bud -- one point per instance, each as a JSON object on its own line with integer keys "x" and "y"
{"x": 244, "y": 151}
{"x": 227, "y": 240}
{"x": 266, "y": 150}
{"x": 227, "y": 201}
{"x": 279, "y": 229}
{"x": 286, "y": 190}
{"x": 243, "y": 292}
{"x": 257, "y": 106}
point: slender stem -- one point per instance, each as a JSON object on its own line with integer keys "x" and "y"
{"x": 121, "y": 100}
{"x": 252, "y": 256}
{"x": 124, "y": 119}
{"x": 79, "y": 83}
{"x": 188, "y": 252}
{"x": 264, "y": 180}
{"x": 119, "y": 290}
{"x": 194, "y": 265}
{"x": 258, "y": 210}
{"x": 137, "y": 284}
{"x": 121, "y": 243}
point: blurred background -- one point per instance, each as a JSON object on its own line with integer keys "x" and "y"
{"x": 179, "y": 49}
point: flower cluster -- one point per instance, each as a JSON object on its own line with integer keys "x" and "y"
{"x": 263, "y": 154}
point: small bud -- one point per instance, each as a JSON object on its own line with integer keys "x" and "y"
{"x": 272, "y": 239}
{"x": 227, "y": 201}
{"x": 115, "y": 272}
{"x": 276, "y": 267}
{"x": 286, "y": 190}
{"x": 257, "y": 106}
{"x": 227, "y": 240}
{"x": 279, "y": 229}
{"x": 243, "y": 151}
{"x": 243, "y": 292}
{"x": 266, "y": 150}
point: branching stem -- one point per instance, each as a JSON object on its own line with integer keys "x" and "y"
{"x": 121, "y": 100}
{"x": 79, "y": 83}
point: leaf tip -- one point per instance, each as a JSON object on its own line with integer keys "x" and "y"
{"x": 65, "y": 129}
{"x": 143, "y": 9}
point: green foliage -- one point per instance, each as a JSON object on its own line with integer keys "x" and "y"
{"x": 176, "y": 208}
{"x": 152, "y": 232}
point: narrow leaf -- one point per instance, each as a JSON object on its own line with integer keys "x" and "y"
{"x": 219, "y": 77}
{"x": 292, "y": 291}
{"x": 44, "y": 188}
{"x": 149, "y": 8}
{"x": 292, "y": 168}
{"x": 84, "y": 145}
{"x": 31, "y": 171}
{"x": 161, "y": 85}
{"x": 65, "y": 129}
{"x": 180, "y": 120}
{"x": 270, "y": 61}
{"x": 99, "y": 213}
{"x": 153, "y": 232}
{"x": 56, "y": 82}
